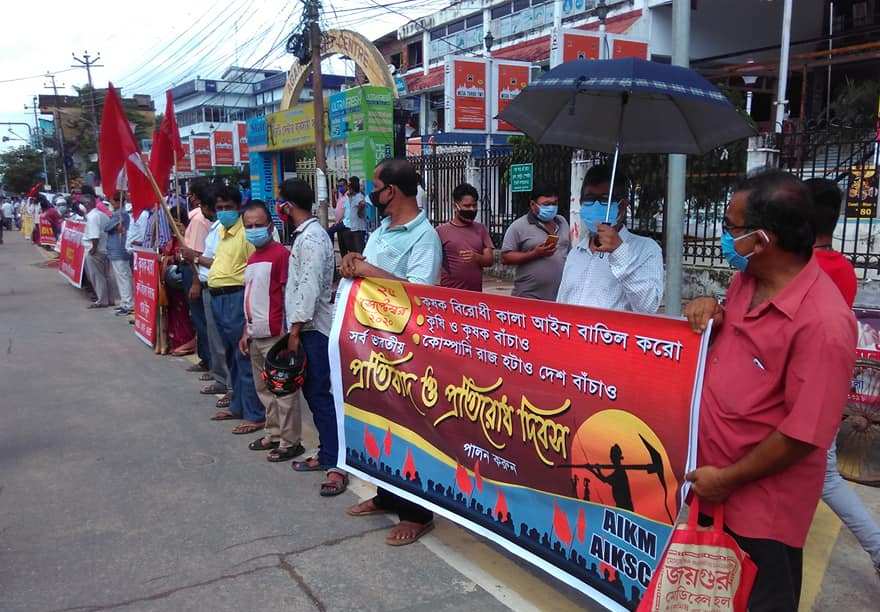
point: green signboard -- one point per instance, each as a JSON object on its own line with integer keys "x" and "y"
{"x": 521, "y": 177}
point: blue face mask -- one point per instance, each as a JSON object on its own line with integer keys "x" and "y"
{"x": 546, "y": 212}
{"x": 728, "y": 249}
{"x": 257, "y": 236}
{"x": 227, "y": 217}
{"x": 593, "y": 213}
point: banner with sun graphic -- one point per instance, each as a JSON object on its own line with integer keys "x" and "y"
{"x": 562, "y": 433}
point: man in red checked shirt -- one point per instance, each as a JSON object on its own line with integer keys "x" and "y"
{"x": 777, "y": 376}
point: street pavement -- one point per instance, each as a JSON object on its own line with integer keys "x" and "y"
{"x": 118, "y": 493}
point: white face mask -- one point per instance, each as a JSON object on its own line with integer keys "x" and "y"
{"x": 128, "y": 207}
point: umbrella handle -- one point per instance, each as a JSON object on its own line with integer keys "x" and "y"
{"x": 624, "y": 98}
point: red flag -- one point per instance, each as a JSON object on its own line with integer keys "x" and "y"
{"x": 463, "y": 480}
{"x": 409, "y": 466}
{"x": 166, "y": 144}
{"x": 501, "y": 512}
{"x": 370, "y": 444}
{"x": 118, "y": 151}
{"x": 477, "y": 477}
{"x": 388, "y": 442}
{"x": 561, "y": 526}
{"x": 581, "y": 525}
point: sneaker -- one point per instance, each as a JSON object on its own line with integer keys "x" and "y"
{"x": 124, "y": 312}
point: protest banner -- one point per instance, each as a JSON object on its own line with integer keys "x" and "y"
{"x": 146, "y": 295}
{"x": 72, "y": 255}
{"x": 561, "y": 433}
{"x": 47, "y": 234}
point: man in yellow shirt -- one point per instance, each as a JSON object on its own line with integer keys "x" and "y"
{"x": 226, "y": 286}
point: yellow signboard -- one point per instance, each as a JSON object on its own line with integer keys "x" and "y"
{"x": 284, "y": 130}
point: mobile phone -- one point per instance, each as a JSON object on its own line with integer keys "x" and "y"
{"x": 551, "y": 241}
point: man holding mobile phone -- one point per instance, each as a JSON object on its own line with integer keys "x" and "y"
{"x": 537, "y": 244}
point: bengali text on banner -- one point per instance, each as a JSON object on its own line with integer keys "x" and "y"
{"x": 146, "y": 295}
{"x": 47, "y": 234}
{"x": 561, "y": 433}
{"x": 72, "y": 254}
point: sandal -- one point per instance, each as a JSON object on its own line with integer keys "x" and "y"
{"x": 415, "y": 531}
{"x": 206, "y": 377}
{"x": 285, "y": 454}
{"x": 183, "y": 352}
{"x": 225, "y": 401}
{"x": 257, "y": 445}
{"x": 213, "y": 389}
{"x": 198, "y": 367}
{"x": 334, "y": 486}
{"x": 366, "y": 508}
{"x": 309, "y": 465}
{"x": 247, "y": 428}
{"x": 225, "y": 415}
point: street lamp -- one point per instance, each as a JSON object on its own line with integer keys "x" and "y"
{"x": 489, "y": 40}
{"x": 601, "y": 12}
{"x": 749, "y": 81}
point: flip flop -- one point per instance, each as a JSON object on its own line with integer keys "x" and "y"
{"x": 213, "y": 389}
{"x": 225, "y": 401}
{"x": 285, "y": 454}
{"x": 247, "y": 428}
{"x": 225, "y": 415}
{"x": 309, "y": 465}
{"x": 198, "y": 367}
{"x": 418, "y": 532}
{"x": 353, "y": 512}
{"x": 206, "y": 377}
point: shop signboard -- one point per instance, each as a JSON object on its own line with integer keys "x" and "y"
{"x": 571, "y": 44}
{"x": 861, "y": 193}
{"x": 361, "y": 109}
{"x": 287, "y": 129}
{"x": 241, "y": 138}
{"x": 201, "y": 152}
{"x": 184, "y": 163}
{"x": 466, "y": 99}
{"x": 508, "y": 80}
{"x": 223, "y": 148}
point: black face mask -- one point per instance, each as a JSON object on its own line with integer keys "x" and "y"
{"x": 467, "y": 214}
{"x": 380, "y": 208}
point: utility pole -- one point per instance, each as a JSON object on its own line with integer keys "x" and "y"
{"x": 38, "y": 141}
{"x": 313, "y": 11}
{"x": 88, "y": 63}
{"x": 675, "y": 188}
{"x": 59, "y": 127}
{"x": 782, "y": 81}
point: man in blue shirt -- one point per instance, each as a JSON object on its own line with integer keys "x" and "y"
{"x": 404, "y": 248}
{"x": 120, "y": 260}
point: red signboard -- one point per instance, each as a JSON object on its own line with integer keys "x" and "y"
{"x": 184, "y": 164}
{"x": 241, "y": 134}
{"x": 559, "y": 432}
{"x": 146, "y": 295}
{"x": 224, "y": 154}
{"x": 629, "y": 48}
{"x": 579, "y": 46}
{"x": 468, "y": 89}
{"x": 510, "y": 79}
{"x": 47, "y": 234}
{"x": 201, "y": 152}
{"x": 71, "y": 258}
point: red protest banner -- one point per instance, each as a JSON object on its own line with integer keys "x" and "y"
{"x": 47, "y": 234}
{"x": 561, "y": 433}
{"x": 146, "y": 295}
{"x": 72, "y": 254}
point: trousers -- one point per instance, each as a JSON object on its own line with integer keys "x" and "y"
{"x": 215, "y": 344}
{"x": 283, "y": 416}
{"x": 98, "y": 270}
{"x": 122, "y": 272}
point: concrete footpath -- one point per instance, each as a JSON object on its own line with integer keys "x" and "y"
{"x": 118, "y": 493}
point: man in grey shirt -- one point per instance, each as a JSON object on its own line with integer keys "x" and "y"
{"x": 537, "y": 244}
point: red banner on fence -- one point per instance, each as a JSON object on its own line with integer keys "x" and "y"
{"x": 146, "y": 295}
{"x": 47, "y": 234}
{"x": 562, "y": 433}
{"x": 72, "y": 255}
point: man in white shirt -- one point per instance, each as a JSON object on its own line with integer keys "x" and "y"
{"x": 610, "y": 267}
{"x": 97, "y": 262}
{"x": 355, "y": 218}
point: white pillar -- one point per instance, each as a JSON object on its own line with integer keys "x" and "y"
{"x": 424, "y": 108}
{"x": 579, "y": 167}
{"x": 426, "y": 51}
{"x": 782, "y": 81}
{"x": 556, "y": 35}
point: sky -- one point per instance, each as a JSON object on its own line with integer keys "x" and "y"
{"x": 147, "y": 47}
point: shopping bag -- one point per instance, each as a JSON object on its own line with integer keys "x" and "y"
{"x": 703, "y": 570}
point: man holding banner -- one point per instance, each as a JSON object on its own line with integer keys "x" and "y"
{"x": 777, "y": 376}
{"x": 405, "y": 247}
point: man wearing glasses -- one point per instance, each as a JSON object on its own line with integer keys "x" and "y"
{"x": 610, "y": 267}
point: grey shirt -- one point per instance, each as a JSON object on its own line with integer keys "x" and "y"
{"x": 538, "y": 279}
{"x": 310, "y": 279}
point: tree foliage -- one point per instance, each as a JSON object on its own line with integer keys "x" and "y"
{"x": 855, "y": 105}
{"x": 20, "y": 168}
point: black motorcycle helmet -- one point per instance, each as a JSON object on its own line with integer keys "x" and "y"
{"x": 284, "y": 371}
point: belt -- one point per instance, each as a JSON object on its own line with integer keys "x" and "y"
{"x": 225, "y": 290}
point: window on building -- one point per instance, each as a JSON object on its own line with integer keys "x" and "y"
{"x": 455, "y": 26}
{"x": 394, "y": 60}
{"x": 414, "y": 54}
{"x": 474, "y": 21}
{"x": 519, "y": 5}
{"x": 500, "y": 11}
{"x": 438, "y": 32}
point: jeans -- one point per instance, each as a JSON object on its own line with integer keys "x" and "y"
{"x": 228, "y": 310}
{"x": 197, "y": 315}
{"x": 849, "y": 508}
{"x": 316, "y": 390}
{"x": 215, "y": 344}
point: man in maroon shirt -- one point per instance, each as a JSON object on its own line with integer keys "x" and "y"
{"x": 467, "y": 247}
{"x": 777, "y": 376}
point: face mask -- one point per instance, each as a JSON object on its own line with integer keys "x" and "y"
{"x": 128, "y": 207}
{"x": 546, "y": 212}
{"x": 593, "y": 213}
{"x": 257, "y": 236}
{"x": 736, "y": 261}
{"x": 467, "y": 214}
{"x": 342, "y": 189}
{"x": 227, "y": 217}
{"x": 374, "y": 199}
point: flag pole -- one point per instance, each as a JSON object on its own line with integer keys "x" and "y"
{"x": 161, "y": 198}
